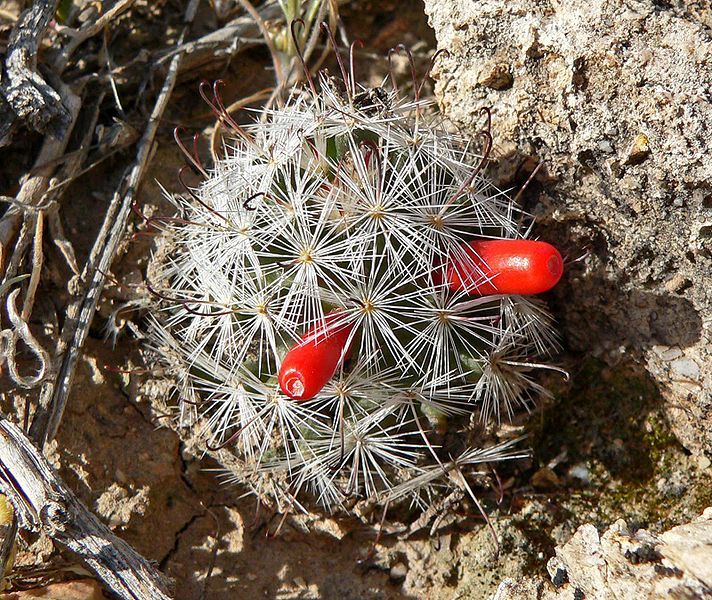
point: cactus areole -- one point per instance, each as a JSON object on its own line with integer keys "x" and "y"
{"x": 342, "y": 287}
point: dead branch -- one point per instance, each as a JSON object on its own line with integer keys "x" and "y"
{"x": 79, "y": 36}
{"x": 53, "y": 397}
{"x": 43, "y": 502}
{"x": 227, "y": 41}
{"x": 26, "y": 94}
{"x": 35, "y": 186}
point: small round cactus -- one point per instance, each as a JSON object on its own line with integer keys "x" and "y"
{"x": 330, "y": 311}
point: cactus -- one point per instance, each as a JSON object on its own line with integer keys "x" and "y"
{"x": 340, "y": 215}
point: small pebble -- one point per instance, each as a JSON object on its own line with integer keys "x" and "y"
{"x": 545, "y": 479}
{"x": 686, "y": 367}
{"x": 639, "y": 150}
{"x": 667, "y": 352}
{"x": 605, "y": 146}
{"x": 703, "y": 462}
{"x": 677, "y": 283}
{"x": 398, "y": 572}
{"x": 581, "y": 473}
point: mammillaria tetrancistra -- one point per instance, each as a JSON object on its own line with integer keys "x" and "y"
{"x": 329, "y": 308}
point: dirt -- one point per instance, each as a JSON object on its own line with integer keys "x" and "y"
{"x": 605, "y": 446}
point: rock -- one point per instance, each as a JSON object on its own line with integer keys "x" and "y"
{"x": 511, "y": 590}
{"x": 689, "y": 548}
{"x": 613, "y": 97}
{"x": 703, "y": 462}
{"x": 677, "y": 284}
{"x": 625, "y": 565}
{"x": 557, "y": 571}
{"x": 686, "y": 367}
{"x": 398, "y": 572}
{"x": 582, "y": 560}
{"x": 545, "y": 479}
{"x": 580, "y": 472}
{"x": 480, "y": 569}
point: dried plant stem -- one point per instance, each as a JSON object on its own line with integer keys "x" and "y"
{"x": 225, "y": 42}
{"x": 37, "y": 259}
{"x": 28, "y": 210}
{"x": 276, "y": 60}
{"x": 310, "y": 45}
{"x": 8, "y": 15}
{"x": 42, "y": 501}
{"x": 53, "y": 397}
{"x": 21, "y": 331}
{"x": 79, "y": 36}
{"x": 32, "y": 191}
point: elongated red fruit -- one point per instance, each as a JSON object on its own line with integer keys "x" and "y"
{"x": 489, "y": 267}
{"x": 311, "y": 362}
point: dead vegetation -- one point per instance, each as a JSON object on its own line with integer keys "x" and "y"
{"x": 90, "y": 94}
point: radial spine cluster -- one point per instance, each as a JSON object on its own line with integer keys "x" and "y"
{"x": 340, "y": 212}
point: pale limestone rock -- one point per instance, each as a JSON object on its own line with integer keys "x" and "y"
{"x": 615, "y": 97}
{"x": 624, "y": 565}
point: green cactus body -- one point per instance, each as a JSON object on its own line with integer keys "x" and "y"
{"x": 328, "y": 203}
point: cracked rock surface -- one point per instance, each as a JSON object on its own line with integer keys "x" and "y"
{"x": 615, "y": 98}
{"x": 623, "y": 564}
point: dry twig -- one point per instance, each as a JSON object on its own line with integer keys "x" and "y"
{"x": 43, "y": 502}
{"x": 34, "y": 187}
{"x": 24, "y": 93}
{"x": 79, "y": 36}
{"x": 40, "y": 499}
{"x": 222, "y": 44}
{"x": 53, "y": 397}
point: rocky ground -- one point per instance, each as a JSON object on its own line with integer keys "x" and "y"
{"x": 612, "y": 99}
